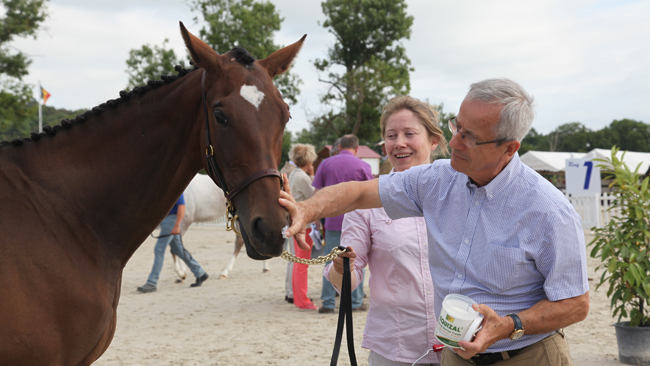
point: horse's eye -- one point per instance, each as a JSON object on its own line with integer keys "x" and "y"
{"x": 220, "y": 116}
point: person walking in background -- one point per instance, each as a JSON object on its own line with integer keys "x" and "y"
{"x": 170, "y": 234}
{"x": 300, "y": 184}
{"x": 289, "y": 166}
{"x": 396, "y": 250}
{"x": 343, "y": 167}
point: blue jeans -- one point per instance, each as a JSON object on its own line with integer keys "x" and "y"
{"x": 328, "y": 293}
{"x": 177, "y": 248}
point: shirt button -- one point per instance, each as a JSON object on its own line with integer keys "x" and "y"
{"x": 476, "y": 203}
{"x": 466, "y": 241}
{"x": 460, "y": 276}
{"x": 428, "y": 292}
{"x": 423, "y": 243}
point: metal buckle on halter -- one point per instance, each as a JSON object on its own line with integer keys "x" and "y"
{"x": 231, "y": 220}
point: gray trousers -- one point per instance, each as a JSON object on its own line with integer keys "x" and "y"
{"x": 288, "y": 285}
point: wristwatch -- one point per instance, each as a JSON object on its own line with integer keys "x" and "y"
{"x": 519, "y": 328}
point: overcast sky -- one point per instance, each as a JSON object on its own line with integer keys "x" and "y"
{"x": 583, "y": 60}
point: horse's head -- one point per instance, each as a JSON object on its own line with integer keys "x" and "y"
{"x": 246, "y": 116}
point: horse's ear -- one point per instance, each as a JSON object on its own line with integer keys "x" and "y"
{"x": 202, "y": 54}
{"x": 280, "y": 60}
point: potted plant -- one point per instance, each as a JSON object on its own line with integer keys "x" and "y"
{"x": 623, "y": 245}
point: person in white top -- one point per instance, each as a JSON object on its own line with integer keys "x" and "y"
{"x": 303, "y": 155}
{"x": 401, "y": 321}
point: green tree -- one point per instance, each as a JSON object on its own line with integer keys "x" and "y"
{"x": 51, "y": 116}
{"x": 150, "y": 62}
{"x": 249, "y": 24}
{"x": 443, "y": 119}
{"x": 286, "y": 146}
{"x": 630, "y": 135}
{"x": 365, "y": 68}
{"x": 570, "y": 137}
{"x": 533, "y": 141}
{"x": 22, "y": 18}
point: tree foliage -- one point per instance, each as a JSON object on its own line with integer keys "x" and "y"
{"x": 365, "y": 68}
{"x": 23, "y": 127}
{"x": 249, "y": 24}
{"x": 150, "y": 62}
{"x": 22, "y": 18}
{"x": 628, "y": 134}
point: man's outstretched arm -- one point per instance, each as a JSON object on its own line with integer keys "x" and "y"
{"x": 328, "y": 202}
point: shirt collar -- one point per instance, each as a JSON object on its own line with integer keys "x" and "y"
{"x": 496, "y": 186}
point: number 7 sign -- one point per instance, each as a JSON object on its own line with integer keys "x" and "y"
{"x": 582, "y": 177}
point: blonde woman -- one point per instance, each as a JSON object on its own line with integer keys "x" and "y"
{"x": 303, "y": 155}
{"x": 401, "y": 321}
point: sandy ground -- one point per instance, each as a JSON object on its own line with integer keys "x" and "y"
{"x": 244, "y": 320}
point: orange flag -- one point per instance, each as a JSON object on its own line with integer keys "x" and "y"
{"x": 45, "y": 95}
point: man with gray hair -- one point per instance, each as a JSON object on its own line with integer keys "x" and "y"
{"x": 498, "y": 232}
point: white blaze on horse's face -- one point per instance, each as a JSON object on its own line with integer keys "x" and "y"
{"x": 252, "y": 95}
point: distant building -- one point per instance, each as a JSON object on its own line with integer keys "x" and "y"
{"x": 364, "y": 153}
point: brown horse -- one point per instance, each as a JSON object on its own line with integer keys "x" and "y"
{"x": 78, "y": 200}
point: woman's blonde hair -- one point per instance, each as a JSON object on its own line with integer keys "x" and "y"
{"x": 424, "y": 112}
{"x": 302, "y": 154}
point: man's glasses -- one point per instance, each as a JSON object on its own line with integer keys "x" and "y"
{"x": 468, "y": 140}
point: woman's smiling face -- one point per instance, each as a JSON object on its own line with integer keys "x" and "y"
{"x": 407, "y": 141}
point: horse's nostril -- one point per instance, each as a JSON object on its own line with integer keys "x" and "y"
{"x": 265, "y": 239}
{"x": 260, "y": 230}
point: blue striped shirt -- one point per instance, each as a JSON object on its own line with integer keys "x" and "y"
{"x": 509, "y": 244}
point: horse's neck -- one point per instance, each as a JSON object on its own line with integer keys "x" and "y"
{"x": 115, "y": 177}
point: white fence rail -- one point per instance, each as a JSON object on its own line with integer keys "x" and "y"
{"x": 594, "y": 210}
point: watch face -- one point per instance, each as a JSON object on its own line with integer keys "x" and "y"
{"x": 517, "y": 334}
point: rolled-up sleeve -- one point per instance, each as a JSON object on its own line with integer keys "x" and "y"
{"x": 400, "y": 194}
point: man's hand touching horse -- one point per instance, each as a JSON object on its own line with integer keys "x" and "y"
{"x": 327, "y": 202}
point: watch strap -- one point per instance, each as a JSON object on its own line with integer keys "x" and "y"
{"x": 518, "y": 324}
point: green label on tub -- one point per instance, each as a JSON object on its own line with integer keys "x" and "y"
{"x": 448, "y": 342}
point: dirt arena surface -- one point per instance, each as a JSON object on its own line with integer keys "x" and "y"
{"x": 244, "y": 320}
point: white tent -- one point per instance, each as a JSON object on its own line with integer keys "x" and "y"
{"x": 548, "y": 160}
{"x": 632, "y": 158}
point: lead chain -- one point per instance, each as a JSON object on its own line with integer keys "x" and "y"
{"x": 320, "y": 260}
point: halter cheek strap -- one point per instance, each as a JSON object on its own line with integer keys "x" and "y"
{"x": 217, "y": 175}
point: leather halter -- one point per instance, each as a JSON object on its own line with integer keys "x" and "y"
{"x": 217, "y": 175}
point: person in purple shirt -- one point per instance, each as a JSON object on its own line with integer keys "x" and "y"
{"x": 170, "y": 234}
{"x": 343, "y": 167}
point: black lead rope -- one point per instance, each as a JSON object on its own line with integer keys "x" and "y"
{"x": 345, "y": 315}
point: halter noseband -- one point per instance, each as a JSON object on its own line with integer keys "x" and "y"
{"x": 217, "y": 175}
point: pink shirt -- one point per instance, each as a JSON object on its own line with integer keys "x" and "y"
{"x": 401, "y": 321}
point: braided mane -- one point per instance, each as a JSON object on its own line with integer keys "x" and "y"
{"x": 67, "y": 124}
